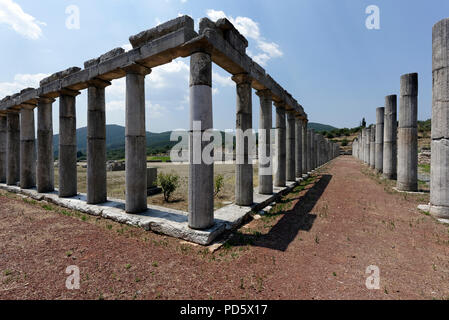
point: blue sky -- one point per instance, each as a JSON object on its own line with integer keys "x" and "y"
{"x": 319, "y": 50}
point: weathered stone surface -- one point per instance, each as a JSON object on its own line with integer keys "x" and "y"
{"x": 27, "y": 149}
{"x": 135, "y": 144}
{"x": 58, "y": 75}
{"x": 390, "y": 138}
{"x": 161, "y": 30}
{"x": 265, "y": 157}
{"x": 290, "y": 148}
{"x": 408, "y": 134}
{"x": 380, "y": 115}
{"x": 13, "y": 149}
{"x": 244, "y": 166}
{"x": 2, "y": 149}
{"x": 226, "y": 30}
{"x": 439, "y": 181}
{"x": 280, "y": 145}
{"x": 45, "y": 164}
{"x": 106, "y": 56}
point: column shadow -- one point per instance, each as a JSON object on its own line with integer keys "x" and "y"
{"x": 299, "y": 218}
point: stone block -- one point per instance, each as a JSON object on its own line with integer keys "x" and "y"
{"x": 161, "y": 30}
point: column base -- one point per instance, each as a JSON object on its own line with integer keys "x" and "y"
{"x": 407, "y": 187}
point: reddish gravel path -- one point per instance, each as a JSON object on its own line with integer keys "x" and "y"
{"x": 318, "y": 248}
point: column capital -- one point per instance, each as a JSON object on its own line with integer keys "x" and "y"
{"x": 280, "y": 104}
{"x": 44, "y": 99}
{"x": 242, "y": 78}
{"x": 135, "y": 68}
{"x": 265, "y": 93}
{"x": 29, "y": 106}
{"x": 98, "y": 83}
{"x": 69, "y": 92}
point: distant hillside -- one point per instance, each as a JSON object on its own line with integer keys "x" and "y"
{"x": 115, "y": 139}
{"x": 156, "y": 142}
{"x": 320, "y": 127}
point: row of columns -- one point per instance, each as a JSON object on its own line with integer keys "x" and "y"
{"x": 298, "y": 149}
{"x": 392, "y": 150}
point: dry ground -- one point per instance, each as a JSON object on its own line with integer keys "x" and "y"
{"x": 316, "y": 244}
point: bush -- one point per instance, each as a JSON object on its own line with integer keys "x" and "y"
{"x": 169, "y": 183}
{"x": 344, "y": 142}
{"x": 219, "y": 183}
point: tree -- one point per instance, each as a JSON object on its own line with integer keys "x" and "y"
{"x": 363, "y": 123}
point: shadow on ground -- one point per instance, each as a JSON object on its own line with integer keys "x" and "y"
{"x": 299, "y": 218}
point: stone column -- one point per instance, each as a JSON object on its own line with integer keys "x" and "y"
{"x": 298, "y": 146}
{"x": 280, "y": 172}
{"x": 2, "y": 148}
{"x": 316, "y": 141}
{"x": 312, "y": 149}
{"x": 439, "y": 180}
{"x": 45, "y": 157}
{"x": 13, "y": 148}
{"x": 367, "y": 145}
{"x": 362, "y": 144}
{"x": 27, "y": 148}
{"x": 135, "y": 140}
{"x": 372, "y": 147}
{"x": 67, "y": 144}
{"x": 244, "y": 119}
{"x": 201, "y": 174}
{"x": 290, "y": 150}
{"x": 380, "y": 114}
{"x": 265, "y": 126}
{"x": 96, "y": 142}
{"x": 408, "y": 134}
{"x": 305, "y": 147}
{"x": 390, "y": 138}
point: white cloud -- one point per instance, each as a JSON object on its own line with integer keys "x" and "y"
{"x": 222, "y": 80}
{"x": 26, "y": 25}
{"x": 159, "y": 76}
{"x": 250, "y": 29}
{"x": 155, "y": 111}
{"x": 21, "y": 81}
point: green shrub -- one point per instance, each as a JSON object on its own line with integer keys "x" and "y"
{"x": 219, "y": 183}
{"x": 344, "y": 142}
{"x": 169, "y": 183}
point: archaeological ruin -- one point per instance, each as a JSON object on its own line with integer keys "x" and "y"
{"x": 27, "y": 161}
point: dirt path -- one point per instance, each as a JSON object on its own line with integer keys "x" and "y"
{"x": 316, "y": 244}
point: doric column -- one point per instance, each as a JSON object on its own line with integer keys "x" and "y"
{"x": 298, "y": 146}
{"x": 379, "y": 139}
{"x": 408, "y": 134}
{"x": 367, "y": 145}
{"x": 13, "y": 148}
{"x": 27, "y": 147}
{"x": 280, "y": 178}
{"x": 390, "y": 138}
{"x": 135, "y": 140}
{"x": 96, "y": 142}
{"x": 265, "y": 126}
{"x": 67, "y": 143}
{"x": 2, "y": 148}
{"x": 244, "y": 118}
{"x": 290, "y": 148}
{"x": 305, "y": 147}
{"x": 372, "y": 147}
{"x": 312, "y": 149}
{"x": 439, "y": 180}
{"x": 45, "y": 157}
{"x": 316, "y": 139}
{"x": 201, "y": 174}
